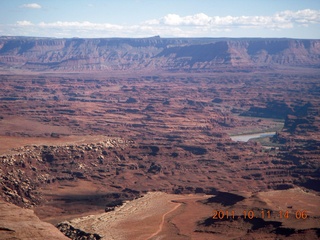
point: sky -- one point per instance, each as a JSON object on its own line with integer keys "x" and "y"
{"x": 166, "y": 18}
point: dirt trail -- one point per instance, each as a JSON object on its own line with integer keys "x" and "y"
{"x": 162, "y": 221}
{"x": 179, "y": 202}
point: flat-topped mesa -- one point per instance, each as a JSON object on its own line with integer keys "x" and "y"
{"x": 173, "y": 54}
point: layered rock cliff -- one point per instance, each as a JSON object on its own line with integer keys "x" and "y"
{"x": 43, "y": 54}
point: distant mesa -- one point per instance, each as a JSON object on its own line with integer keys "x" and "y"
{"x": 155, "y": 53}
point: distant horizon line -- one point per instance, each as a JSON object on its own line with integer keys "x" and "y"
{"x": 155, "y": 37}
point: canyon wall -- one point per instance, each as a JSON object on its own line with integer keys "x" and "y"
{"x": 171, "y": 54}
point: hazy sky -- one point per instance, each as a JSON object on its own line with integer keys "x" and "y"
{"x": 167, "y": 18}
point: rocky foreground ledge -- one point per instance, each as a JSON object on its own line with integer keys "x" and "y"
{"x": 19, "y": 223}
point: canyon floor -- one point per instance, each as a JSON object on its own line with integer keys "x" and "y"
{"x": 154, "y": 151}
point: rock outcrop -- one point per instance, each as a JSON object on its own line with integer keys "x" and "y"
{"x": 76, "y": 234}
{"x": 18, "y": 223}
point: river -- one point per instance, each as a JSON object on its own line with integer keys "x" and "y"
{"x": 247, "y": 137}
